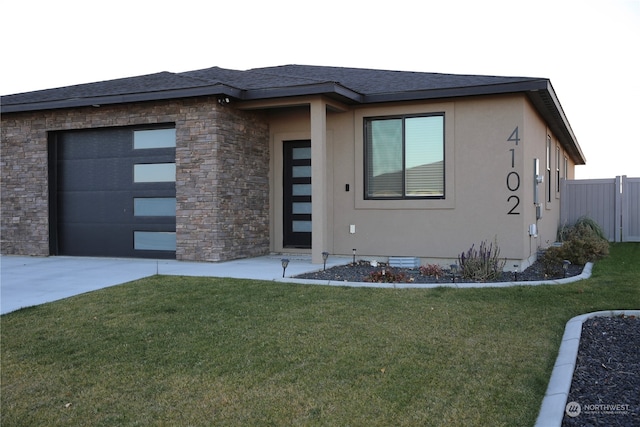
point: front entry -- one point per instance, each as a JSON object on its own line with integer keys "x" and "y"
{"x": 297, "y": 194}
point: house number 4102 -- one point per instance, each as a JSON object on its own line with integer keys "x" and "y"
{"x": 513, "y": 178}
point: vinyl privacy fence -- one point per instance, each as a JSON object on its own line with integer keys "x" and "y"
{"x": 613, "y": 203}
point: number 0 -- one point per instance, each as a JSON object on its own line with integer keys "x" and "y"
{"x": 511, "y": 185}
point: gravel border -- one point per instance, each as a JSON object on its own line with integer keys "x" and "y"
{"x": 554, "y": 403}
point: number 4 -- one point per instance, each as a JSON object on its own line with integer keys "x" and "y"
{"x": 514, "y": 136}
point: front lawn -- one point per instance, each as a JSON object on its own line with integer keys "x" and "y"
{"x": 205, "y": 351}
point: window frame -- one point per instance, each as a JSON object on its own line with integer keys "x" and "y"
{"x": 366, "y": 121}
{"x": 548, "y": 176}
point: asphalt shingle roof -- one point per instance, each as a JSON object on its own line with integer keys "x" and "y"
{"x": 220, "y": 81}
{"x": 369, "y": 82}
{"x": 347, "y": 85}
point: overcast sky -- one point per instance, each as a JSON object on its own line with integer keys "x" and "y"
{"x": 587, "y": 48}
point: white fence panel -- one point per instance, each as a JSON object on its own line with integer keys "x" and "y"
{"x": 612, "y": 203}
{"x": 594, "y": 198}
{"x": 630, "y": 209}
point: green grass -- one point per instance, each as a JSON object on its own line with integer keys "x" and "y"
{"x": 201, "y": 351}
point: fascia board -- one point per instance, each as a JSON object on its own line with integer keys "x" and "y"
{"x": 328, "y": 88}
{"x": 548, "y": 105}
{"x": 217, "y": 89}
{"x": 456, "y": 92}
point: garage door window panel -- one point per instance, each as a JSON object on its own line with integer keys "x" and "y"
{"x": 154, "y": 240}
{"x": 154, "y": 138}
{"x": 154, "y": 206}
{"x": 157, "y": 172}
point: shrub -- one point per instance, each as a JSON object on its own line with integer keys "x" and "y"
{"x": 552, "y": 260}
{"x": 433, "y": 270}
{"x": 583, "y": 242}
{"x": 482, "y": 264}
{"x": 387, "y": 275}
{"x": 586, "y": 224}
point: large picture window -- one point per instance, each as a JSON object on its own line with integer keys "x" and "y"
{"x": 404, "y": 157}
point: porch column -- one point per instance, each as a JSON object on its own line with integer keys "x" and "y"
{"x": 319, "y": 210}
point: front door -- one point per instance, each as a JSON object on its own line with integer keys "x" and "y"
{"x": 297, "y": 194}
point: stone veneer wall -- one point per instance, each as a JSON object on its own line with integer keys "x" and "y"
{"x": 222, "y": 184}
{"x": 222, "y": 166}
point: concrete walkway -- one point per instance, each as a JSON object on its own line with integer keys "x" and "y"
{"x": 29, "y": 281}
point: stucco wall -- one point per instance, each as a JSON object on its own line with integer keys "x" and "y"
{"x": 221, "y": 175}
{"x": 489, "y": 183}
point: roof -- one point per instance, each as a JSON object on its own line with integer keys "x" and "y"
{"x": 347, "y": 85}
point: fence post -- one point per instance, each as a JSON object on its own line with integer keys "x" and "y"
{"x": 564, "y": 202}
{"x": 624, "y": 207}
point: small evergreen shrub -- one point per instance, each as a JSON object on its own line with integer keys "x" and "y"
{"x": 481, "y": 264}
{"x": 583, "y": 242}
{"x": 552, "y": 260}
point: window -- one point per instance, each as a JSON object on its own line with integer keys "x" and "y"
{"x": 154, "y": 206}
{"x": 154, "y": 138}
{"x": 548, "y": 167}
{"x": 557, "y": 168}
{"x": 154, "y": 172}
{"x": 154, "y": 240}
{"x": 404, "y": 157}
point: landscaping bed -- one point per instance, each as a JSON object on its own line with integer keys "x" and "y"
{"x": 363, "y": 271}
{"x": 606, "y": 379}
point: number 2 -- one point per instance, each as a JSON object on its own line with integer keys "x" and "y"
{"x": 512, "y": 211}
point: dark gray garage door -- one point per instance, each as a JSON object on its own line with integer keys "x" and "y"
{"x": 113, "y": 193}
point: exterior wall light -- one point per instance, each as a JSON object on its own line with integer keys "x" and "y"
{"x": 285, "y": 263}
{"x": 325, "y": 255}
{"x": 454, "y": 271}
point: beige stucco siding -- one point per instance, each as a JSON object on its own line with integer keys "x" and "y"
{"x": 486, "y": 177}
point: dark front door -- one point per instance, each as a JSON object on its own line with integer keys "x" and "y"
{"x": 297, "y": 194}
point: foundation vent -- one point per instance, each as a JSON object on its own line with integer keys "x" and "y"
{"x": 404, "y": 262}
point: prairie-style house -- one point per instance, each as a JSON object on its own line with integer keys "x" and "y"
{"x": 218, "y": 164}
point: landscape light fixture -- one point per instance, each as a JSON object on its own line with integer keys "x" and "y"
{"x": 454, "y": 270}
{"x": 285, "y": 263}
{"x": 325, "y": 255}
{"x": 565, "y": 266}
{"x": 354, "y": 256}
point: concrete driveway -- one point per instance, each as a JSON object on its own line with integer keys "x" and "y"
{"x": 28, "y": 281}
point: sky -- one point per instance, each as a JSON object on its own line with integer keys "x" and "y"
{"x": 587, "y": 48}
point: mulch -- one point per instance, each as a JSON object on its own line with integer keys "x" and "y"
{"x": 363, "y": 271}
{"x": 605, "y": 388}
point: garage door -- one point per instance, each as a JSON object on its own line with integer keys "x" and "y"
{"x": 114, "y": 193}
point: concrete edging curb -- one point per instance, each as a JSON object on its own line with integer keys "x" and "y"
{"x": 586, "y": 273}
{"x": 555, "y": 398}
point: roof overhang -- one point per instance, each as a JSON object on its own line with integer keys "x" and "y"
{"x": 213, "y": 90}
{"x": 539, "y": 91}
{"x": 548, "y": 106}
